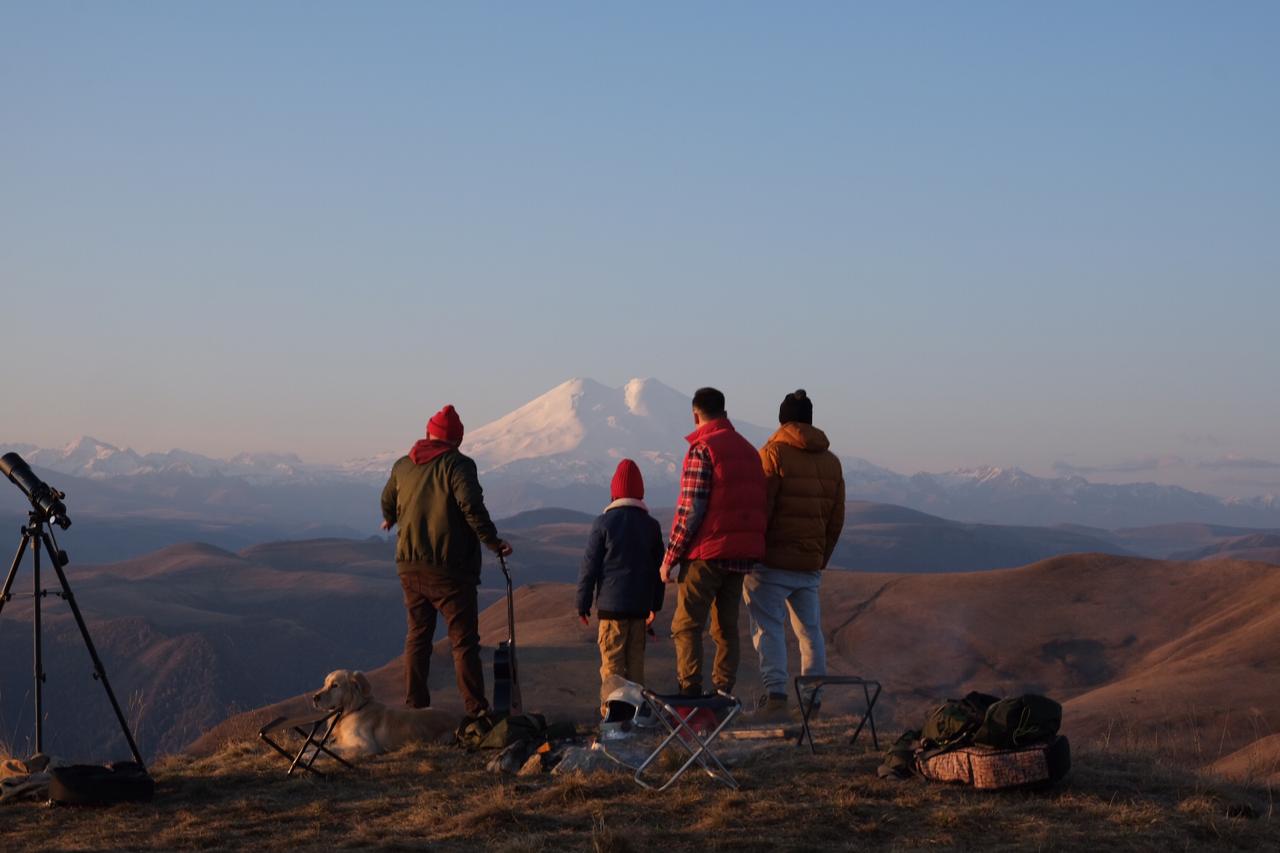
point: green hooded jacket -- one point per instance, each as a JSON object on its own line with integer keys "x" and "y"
{"x": 439, "y": 507}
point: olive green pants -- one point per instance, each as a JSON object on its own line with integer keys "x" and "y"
{"x": 705, "y": 590}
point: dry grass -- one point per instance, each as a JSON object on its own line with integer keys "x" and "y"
{"x": 442, "y": 798}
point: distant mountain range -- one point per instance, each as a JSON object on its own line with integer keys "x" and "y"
{"x": 560, "y": 449}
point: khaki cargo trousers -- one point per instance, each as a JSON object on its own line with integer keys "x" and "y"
{"x": 621, "y": 651}
{"x": 706, "y": 590}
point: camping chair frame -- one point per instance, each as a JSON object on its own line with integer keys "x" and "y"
{"x": 666, "y": 709}
{"x": 315, "y": 737}
{"x": 820, "y": 681}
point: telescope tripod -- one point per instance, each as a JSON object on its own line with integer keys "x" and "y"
{"x": 34, "y": 536}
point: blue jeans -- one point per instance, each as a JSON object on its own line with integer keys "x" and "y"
{"x": 768, "y": 593}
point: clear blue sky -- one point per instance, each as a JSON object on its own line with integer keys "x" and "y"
{"x": 982, "y": 232}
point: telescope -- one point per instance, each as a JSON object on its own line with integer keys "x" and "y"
{"x": 46, "y": 499}
{"x": 47, "y": 509}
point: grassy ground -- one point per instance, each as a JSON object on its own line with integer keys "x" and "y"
{"x": 443, "y": 799}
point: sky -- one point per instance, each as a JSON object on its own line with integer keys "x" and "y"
{"x": 1042, "y": 235}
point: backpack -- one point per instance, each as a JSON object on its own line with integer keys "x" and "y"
{"x": 953, "y": 722}
{"x": 985, "y": 742}
{"x": 499, "y": 732}
{"x": 1017, "y": 722}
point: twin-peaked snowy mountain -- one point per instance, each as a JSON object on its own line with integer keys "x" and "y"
{"x": 560, "y": 449}
{"x": 575, "y": 434}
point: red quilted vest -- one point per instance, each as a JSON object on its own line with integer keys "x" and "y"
{"x": 735, "y": 523}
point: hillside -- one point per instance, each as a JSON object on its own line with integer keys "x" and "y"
{"x": 1141, "y": 652}
{"x": 883, "y": 537}
{"x": 192, "y": 633}
{"x": 188, "y": 634}
{"x": 440, "y": 798}
{"x": 1255, "y": 764}
{"x": 1260, "y": 547}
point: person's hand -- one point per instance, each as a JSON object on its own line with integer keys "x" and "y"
{"x": 667, "y": 573}
{"x": 652, "y": 616}
{"x": 584, "y": 618}
{"x": 387, "y": 525}
{"x": 502, "y": 548}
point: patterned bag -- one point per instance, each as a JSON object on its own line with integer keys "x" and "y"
{"x": 990, "y": 768}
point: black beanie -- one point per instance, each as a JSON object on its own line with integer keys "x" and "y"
{"x": 796, "y": 406}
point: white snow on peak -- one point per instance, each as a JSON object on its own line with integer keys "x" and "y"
{"x": 585, "y": 418}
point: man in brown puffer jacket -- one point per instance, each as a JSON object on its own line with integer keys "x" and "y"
{"x": 806, "y": 514}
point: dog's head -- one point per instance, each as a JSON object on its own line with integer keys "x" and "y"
{"x": 344, "y": 690}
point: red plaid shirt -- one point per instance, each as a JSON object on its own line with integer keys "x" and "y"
{"x": 695, "y": 494}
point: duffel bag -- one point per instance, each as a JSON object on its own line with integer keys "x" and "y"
{"x": 992, "y": 768}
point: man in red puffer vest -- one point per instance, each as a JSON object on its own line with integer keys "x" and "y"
{"x": 717, "y": 535}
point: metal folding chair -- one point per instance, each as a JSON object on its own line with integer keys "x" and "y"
{"x": 314, "y": 731}
{"x": 820, "y": 681}
{"x": 679, "y": 714}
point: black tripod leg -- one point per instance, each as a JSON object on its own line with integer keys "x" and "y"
{"x": 100, "y": 671}
{"x": 13, "y": 569}
{"x": 37, "y": 661}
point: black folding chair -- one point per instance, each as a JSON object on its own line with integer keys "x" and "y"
{"x": 314, "y": 731}
{"x": 678, "y": 714}
{"x": 819, "y": 681}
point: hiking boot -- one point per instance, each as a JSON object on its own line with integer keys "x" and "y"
{"x": 772, "y": 708}
{"x": 815, "y": 711}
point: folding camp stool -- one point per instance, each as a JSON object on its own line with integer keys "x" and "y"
{"x": 819, "y": 681}
{"x": 314, "y": 731}
{"x": 681, "y": 730}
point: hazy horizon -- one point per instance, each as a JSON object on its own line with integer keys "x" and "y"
{"x": 997, "y": 234}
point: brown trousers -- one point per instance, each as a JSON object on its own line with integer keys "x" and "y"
{"x": 705, "y": 590}
{"x": 621, "y": 651}
{"x": 425, "y": 594}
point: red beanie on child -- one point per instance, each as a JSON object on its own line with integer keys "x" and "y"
{"x": 627, "y": 482}
{"x": 445, "y": 424}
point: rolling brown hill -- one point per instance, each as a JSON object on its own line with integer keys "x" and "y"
{"x": 1142, "y": 652}
{"x": 187, "y": 634}
{"x": 1256, "y": 764}
{"x": 887, "y": 538}
{"x": 1258, "y": 547}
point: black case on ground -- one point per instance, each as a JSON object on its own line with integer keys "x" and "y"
{"x": 98, "y": 785}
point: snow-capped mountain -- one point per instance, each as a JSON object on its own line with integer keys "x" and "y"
{"x": 1013, "y": 496}
{"x": 97, "y": 460}
{"x": 576, "y": 433}
{"x": 560, "y": 449}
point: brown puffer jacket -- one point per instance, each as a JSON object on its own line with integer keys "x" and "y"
{"x": 806, "y": 498}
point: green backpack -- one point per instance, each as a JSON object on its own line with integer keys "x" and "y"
{"x": 1019, "y": 721}
{"x": 500, "y": 731}
{"x": 954, "y": 721}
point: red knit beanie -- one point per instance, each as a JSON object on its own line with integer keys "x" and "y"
{"x": 445, "y": 424}
{"x": 627, "y": 482}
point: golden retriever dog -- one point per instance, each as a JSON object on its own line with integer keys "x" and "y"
{"x": 368, "y": 727}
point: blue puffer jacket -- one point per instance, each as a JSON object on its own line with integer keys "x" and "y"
{"x": 624, "y": 553}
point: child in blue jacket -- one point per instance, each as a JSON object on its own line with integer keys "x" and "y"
{"x": 624, "y": 553}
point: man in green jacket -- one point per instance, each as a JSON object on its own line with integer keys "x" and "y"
{"x": 434, "y": 495}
